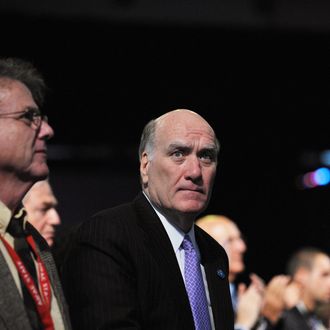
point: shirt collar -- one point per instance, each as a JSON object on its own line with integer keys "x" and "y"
{"x": 5, "y": 216}
{"x": 175, "y": 234}
{"x": 302, "y": 308}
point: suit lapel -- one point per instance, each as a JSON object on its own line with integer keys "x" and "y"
{"x": 159, "y": 245}
{"x": 12, "y": 309}
{"x": 216, "y": 270}
{"x": 214, "y": 260}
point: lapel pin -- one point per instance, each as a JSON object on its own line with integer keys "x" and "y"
{"x": 221, "y": 273}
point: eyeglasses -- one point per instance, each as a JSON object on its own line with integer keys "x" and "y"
{"x": 31, "y": 116}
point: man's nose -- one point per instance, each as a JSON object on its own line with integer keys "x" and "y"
{"x": 54, "y": 217}
{"x": 241, "y": 244}
{"x": 46, "y": 132}
{"x": 193, "y": 168}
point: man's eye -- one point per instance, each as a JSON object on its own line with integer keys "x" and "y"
{"x": 28, "y": 116}
{"x": 207, "y": 156}
{"x": 177, "y": 154}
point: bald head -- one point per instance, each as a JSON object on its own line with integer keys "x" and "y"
{"x": 168, "y": 120}
{"x": 227, "y": 234}
{"x": 40, "y": 204}
{"x": 220, "y": 227}
{"x": 176, "y": 116}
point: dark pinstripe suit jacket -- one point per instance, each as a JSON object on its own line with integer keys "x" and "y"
{"x": 12, "y": 311}
{"x": 122, "y": 273}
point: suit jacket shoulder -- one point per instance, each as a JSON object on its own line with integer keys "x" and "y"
{"x": 125, "y": 263}
{"x": 291, "y": 319}
{"x": 215, "y": 262}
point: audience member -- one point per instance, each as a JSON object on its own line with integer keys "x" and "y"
{"x": 30, "y": 297}
{"x": 309, "y": 269}
{"x": 281, "y": 293}
{"x": 40, "y": 204}
{"x": 247, "y": 302}
{"x": 138, "y": 265}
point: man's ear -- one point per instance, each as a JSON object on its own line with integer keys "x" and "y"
{"x": 302, "y": 276}
{"x": 144, "y": 165}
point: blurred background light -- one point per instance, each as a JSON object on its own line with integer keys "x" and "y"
{"x": 319, "y": 177}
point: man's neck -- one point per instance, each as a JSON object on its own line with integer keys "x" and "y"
{"x": 12, "y": 191}
{"x": 182, "y": 221}
{"x": 308, "y": 303}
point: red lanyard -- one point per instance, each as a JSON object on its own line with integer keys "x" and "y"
{"x": 43, "y": 300}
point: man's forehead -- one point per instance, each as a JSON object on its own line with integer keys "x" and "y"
{"x": 6, "y": 86}
{"x": 6, "y": 82}
{"x": 185, "y": 129}
{"x": 9, "y": 86}
{"x": 4, "y": 93}
{"x": 182, "y": 127}
{"x": 172, "y": 144}
{"x": 322, "y": 261}
{"x": 182, "y": 134}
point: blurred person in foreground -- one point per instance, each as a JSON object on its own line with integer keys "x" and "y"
{"x": 40, "y": 204}
{"x": 144, "y": 265}
{"x": 309, "y": 271}
{"x": 247, "y": 301}
{"x": 30, "y": 292}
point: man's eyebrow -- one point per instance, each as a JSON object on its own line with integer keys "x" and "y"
{"x": 31, "y": 108}
{"x": 178, "y": 145}
{"x": 183, "y": 146}
{"x": 209, "y": 147}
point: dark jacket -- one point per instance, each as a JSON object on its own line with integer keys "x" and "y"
{"x": 123, "y": 274}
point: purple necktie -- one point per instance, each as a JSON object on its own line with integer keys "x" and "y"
{"x": 195, "y": 287}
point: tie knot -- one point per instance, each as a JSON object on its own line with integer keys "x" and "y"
{"x": 187, "y": 244}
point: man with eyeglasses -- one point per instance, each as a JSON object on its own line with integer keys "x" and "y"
{"x": 31, "y": 296}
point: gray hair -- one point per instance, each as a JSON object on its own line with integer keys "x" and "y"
{"x": 147, "y": 141}
{"x": 26, "y": 73}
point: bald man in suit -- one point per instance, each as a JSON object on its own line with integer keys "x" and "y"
{"x": 127, "y": 269}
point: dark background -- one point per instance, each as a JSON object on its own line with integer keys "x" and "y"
{"x": 259, "y": 74}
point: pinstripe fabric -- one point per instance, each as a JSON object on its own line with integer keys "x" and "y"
{"x": 122, "y": 273}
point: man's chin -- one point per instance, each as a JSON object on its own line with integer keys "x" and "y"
{"x": 193, "y": 207}
{"x": 36, "y": 174}
{"x": 41, "y": 174}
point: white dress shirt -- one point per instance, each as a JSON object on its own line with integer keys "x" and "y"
{"x": 176, "y": 237}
